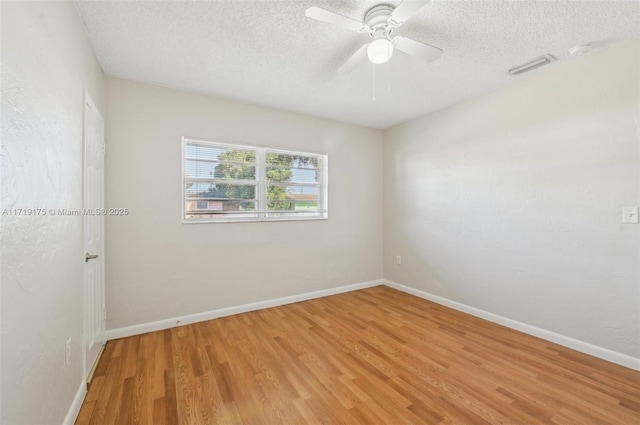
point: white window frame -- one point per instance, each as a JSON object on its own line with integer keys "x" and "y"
{"x": 261, "y": 185}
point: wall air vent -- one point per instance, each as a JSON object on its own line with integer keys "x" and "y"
{"x": 531, "y": 65}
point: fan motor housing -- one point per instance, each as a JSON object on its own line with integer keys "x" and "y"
{"x": 378, "y": 16}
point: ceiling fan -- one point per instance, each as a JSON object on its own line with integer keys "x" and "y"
{"x": 379, "y": 23}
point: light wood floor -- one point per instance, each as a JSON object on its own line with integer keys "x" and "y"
{"x": 373, "y": 356}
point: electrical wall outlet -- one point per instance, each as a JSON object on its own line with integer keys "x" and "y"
{"x": 67, "y": 351}
{"x": 398, "y": 260}
{"x": 630, "y": 215}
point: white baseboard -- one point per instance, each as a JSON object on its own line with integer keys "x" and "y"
{"x": 575, "y": 344}
{"x": 584, "y": 347}
{"x": 76, "y": 404}
{"x": 229, "y": 311}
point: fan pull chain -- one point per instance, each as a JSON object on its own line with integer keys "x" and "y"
{"x": 374, "y": 82}
{"x": 389, "y": 47}
{"x": 388, "y": 78}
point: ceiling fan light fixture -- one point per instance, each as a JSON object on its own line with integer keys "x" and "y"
{"x": 379, "y": 23}
{"x": 380, "y": 51}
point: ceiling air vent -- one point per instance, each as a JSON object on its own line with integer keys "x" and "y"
{"x": 531, "y": 65}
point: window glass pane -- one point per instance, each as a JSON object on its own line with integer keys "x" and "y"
{"x": 202, "y": 210}
{"x": 200, "y": 169}
{"x": 199, "y": 190}
{"x": 196, "y": 189}
{"x": 234, "y": 171}
{"x": 294, "y": 175}
{"x": 222, "y": 181}
{"x": 292, "y": 198}
{"x": 218, "y": 153}
{"x": 290, "y": 160}
{"x": 216, "y": 206}
{"x": 236, "y": 191}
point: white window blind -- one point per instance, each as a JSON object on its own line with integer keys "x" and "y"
{"x": 229, "y": 182}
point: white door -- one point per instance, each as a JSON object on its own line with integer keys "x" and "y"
{"x": 93, "y": 256}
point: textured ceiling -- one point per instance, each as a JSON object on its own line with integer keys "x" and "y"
{"x": 268, "y": 53}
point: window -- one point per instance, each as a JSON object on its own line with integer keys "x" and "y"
{"x": 228, "y": 182}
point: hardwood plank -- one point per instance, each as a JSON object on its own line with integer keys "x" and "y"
{"x": 170, "y": 392}
{"x": 371, "y": 356}
{"x": 113, "y": 382}
{"x": 124, "y": 413}
{"x": 84, "y": 416}
{"x": 142, "y": 401}
{"x": 95, "y": 388}
{"x": 159, "y": 412}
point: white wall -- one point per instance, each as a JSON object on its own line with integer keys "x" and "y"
{"x": 511, "y": 202}
{"x": 47, "y": 64}
{"x": 159, "y": 268}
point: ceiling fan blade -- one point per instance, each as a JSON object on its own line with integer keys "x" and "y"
{"x": 417, "y": 49}
{"x": 405, "y": 10}
{"x": 329, "y": 17}
{"x": 354, "y": 60}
